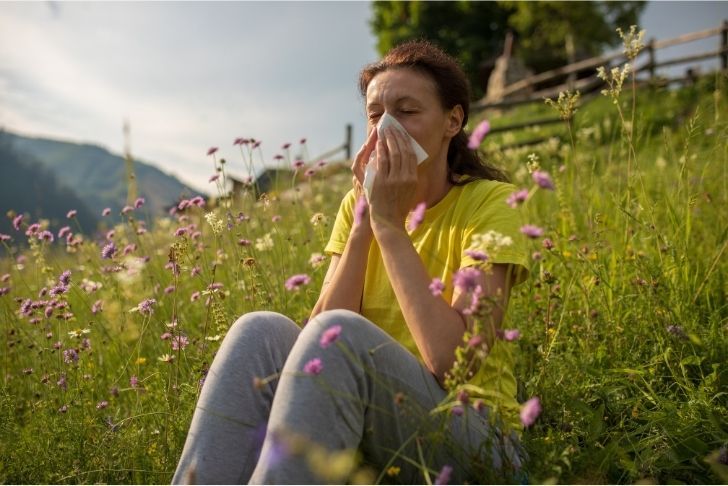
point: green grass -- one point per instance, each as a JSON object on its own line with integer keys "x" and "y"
{"x": 624, "y": 398}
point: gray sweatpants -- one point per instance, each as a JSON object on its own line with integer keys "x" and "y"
{"x": 372, "y": 395}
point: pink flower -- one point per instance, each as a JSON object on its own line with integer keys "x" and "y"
{"x": 477, "y": 255}
{"x": 16, "y": 222}
{"x": 97, "y": 307}
{"x": 436, "y": 287}
{"x": 531, "y": 231}
{"x": 211, "y": 150}
{"x": 134, "y": 381}
{"x": 543, "y": 179}
{"x": 213, "y": 178}
{"x": 285, "y": 146}
{"x": 329, "y": 336}
{"x": 313, "y": 367}
{"x": 310, "y": 172}
{"x": 126, "y": 209}
{"x": 180, "y": 342}
{"x": 547, "y": 243}
{"x": 298, "y": 164}
{"x": 71, "y": 214}
{"x": 106, "y": 212}
{"x": 509, "y": 334}
{"x": 359, "y": 210}
{"x": 102, "y": 404}
{"x": 530, "y": 411}
{"x": 139, "y": 202}
{"x": 296, "y": 281}
{"x": 476, "y": 138}
{"x": 63, "y": 232}
{"x": 443, "y": 476}
{"x": 417, "y": 216}
{"x": 4, "y": 237}
{"x": 303, "y": 140}
{"x": 467, "y": 279}
{"x": 517, "y": 197}
{"x": 475, "y": 341}
{"x": 240, "y": 141}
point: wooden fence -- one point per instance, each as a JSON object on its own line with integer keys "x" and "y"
{"x": 592, "y": 83}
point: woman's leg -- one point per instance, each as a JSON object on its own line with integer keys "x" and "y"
{"x": 227, "y": 428}
{"x": 372, "y": 395}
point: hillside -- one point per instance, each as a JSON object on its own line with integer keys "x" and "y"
{"x": 99, "y": 176}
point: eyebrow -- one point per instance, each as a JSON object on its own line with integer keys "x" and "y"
{"x": 397, "y": 101}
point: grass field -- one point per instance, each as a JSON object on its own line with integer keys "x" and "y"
{"x": 624, "y": 322}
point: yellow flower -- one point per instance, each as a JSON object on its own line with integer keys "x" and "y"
{"x": 141, "y": 361}
{"x": 393, "y": 471}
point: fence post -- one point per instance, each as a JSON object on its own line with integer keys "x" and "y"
{"x": 724, "y": 46}
{"x": 347, "y": 144}
{"x": 651, "y": 54}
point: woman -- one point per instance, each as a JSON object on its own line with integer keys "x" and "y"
{"x": 396, "y": 327}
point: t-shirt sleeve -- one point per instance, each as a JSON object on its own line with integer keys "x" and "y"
{"x": 492, "y": 213}
{"x": 342, "y": 225}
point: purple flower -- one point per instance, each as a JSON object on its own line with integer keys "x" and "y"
{"x": 65, "y": 277}
{"x": 476, "y": 138}
{"x": 16, "y": 222}
{"x": 297, "y": 281}
{"x": 463, "y": 397}
{"x": 359, "y": 210}
{"x": 139, "y": 202}
{"x": 509, "y": 334}
{"x": 102, "y": 404}
{"x": 58, "y": 290}
{"x": 134, "y": 381}
{"x": 170, "y": 289}
{"x": 543, "y": 179}
{"x": 46, "y": 235}
{"x": 32, "y": 229}
{"x": 197, "y": 201}
{"x": 443, "y": 476}
{"x": 457, "y": 410}
{"x": 97, "y": 307}
{"x": 477, "y": 255}
{"x": 126, "y": 209}
{"x": 108, "y": 251}
{"x": 106, "y": 212}
{"x": 213, "y": 178}
{"x": 436, "y": 287}
{"x": 180, "y": 342}
{"x": 531, "y": 231}
{"x": 475, "y": 341}
{"x": 71, "y": 214}
{"x": 145, "y": 307}
{"x": 467, "y": 279}
{"x": 310, "y": 172}
{"x": 62, "y": 382}
{"x": 677, "y": 331}
{"x": 329, "y": 336}
{"x": 530, "y": 411}
{"x": 4, "y": 237}
{"x": 517, "y": 197}
{"x": 313, "y": 367}
{"x": 211, "y": 150}
{"x": 63, "y": 232}
{"x": 70, "y": 355}
{"x": 417, "y": 216}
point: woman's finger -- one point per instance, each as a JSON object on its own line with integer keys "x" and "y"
{"x": 382, "y": 159}
{"x": 395, "y": 153}
{"x": 408, "y": 159}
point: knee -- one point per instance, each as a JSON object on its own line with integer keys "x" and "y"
{"x": 264, "y": 325}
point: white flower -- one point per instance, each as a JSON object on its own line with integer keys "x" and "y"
{"x": 265, "y": 243}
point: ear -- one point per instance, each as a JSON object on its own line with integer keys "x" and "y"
{"x": 454, "y": 121}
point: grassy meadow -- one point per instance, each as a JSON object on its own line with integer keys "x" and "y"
{"x": 624, "y": 321}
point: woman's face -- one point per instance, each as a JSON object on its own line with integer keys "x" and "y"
{"x": 411, "y": 97}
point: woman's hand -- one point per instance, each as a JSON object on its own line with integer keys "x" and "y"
{"x": 361, "y": 208}
{"x": 395, "y": 185}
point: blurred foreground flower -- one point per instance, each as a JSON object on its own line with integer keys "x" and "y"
{"x": 530, "y": 411}
{"x": 313, "y": 367}
{"x": 476, "y": 138}
{"x": 297, "y": 281}
{"x": 329, "y": 336}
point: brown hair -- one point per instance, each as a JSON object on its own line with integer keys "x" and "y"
{"x": 452, "y": 88}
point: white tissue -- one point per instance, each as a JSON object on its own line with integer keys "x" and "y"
{"x": 370, "y": 171}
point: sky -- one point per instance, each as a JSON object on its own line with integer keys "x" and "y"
{"x": 191, "y": 75}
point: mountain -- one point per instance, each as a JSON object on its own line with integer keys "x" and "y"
{"x": 98, "y": 177}
{"x": 27, "y": 187}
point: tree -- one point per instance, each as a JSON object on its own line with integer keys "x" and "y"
{"x": 474, "y": 32}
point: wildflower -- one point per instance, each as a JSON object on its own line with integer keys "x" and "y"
{"x": 536, "y": 256}
{"x": 477, "y": 255}
{"x": 310, "y": 172}
{"x": 533, "y": 164}
{"x": 313, "y": 367}
{"x": 213, "y": 178}
{"x": 530, "y": 411}
{"x": 285, "y": 146}
{"x": 32, "y": 229}
{"x": 531, "y": 231}
{"x": 97, "y": 307}
{"x": 240, "y": 141}
{"x": 542, "y": 179}
{"x": 165, "y": 336}
{"x": 61, "y": 383}
{"x": 211, "y": 150}
{"x": 632, "y": 41}
{"x": 27, "y": 371}
{"x": 296, "y": 281}
{"x": 265, "y": 243}
{"x": 565, "y": 104}
{"x": 134, "y": 381}
{"x": 71, "y": 214}
{"x": 77, "y": 333}
{"x": 318, "y": 218}
{"x": 166, "y": 358}
{"x": 126, "y": 209}
{"x": 195, "y": 271}
{"x": 4, "y": 237}
{"x": 46, "y": 235}
{"x": 489, "y": 242}
{"x": 86, "y": 342}
{"x": 16, "y": 222}
{"x": 320, "y": 164}
{"x": 4, "y": 291}
{"x": 276, "y": 218}
{"x": 197, "y": 201}
{"x": 131, "y": 247}
{"x": 547, "y": 243}
{"x": 195, "y": 296}
{"x": 476, "y": 138}
{"x": 63, "y": 232}
{"x": 463, "y": 397}
{"x": 5, "y": 277}
{"x": 145, "y": 307}
{"x": 436, "y": 287}
{"x": 360, "y": 210}
{"x": 457, "y": 410}
{"x": 329, "y": 336}
{"x": 475, "y": 341}
{"x": 63, "y": 409}
{"x": 65, "y": 277}
{"x": 106, "y": 212}
{"x": 509, "y": 334}
{"x": 70, "y": 356}
{"x": 280, "y": 157}
{"x": 677, "y": 331}
{"x": 139, "y": 202}
{"x": 467, "y": 279}
{"x": 517, "y": 197}
{"x": 108, "y": 251}
{"x": 303, "y": 141}
{"x": 169, "y": 289}
{"x": 393, "y": 471}
{"x": 102, "y": 405}
{"x": 443, "y": 476}
{"x": 215, "y": 223}
{"x": 316, "y": 260}
{"x": 180, "y": 342}
{"x": 416, "y": 216}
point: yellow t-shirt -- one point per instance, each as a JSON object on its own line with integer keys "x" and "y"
{"x": 441, "y": 240}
